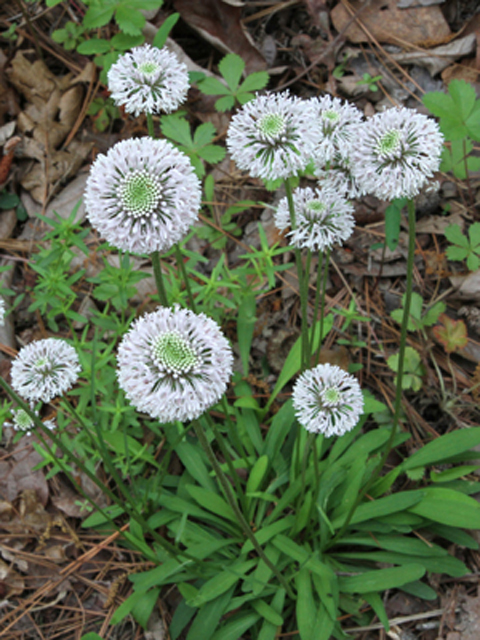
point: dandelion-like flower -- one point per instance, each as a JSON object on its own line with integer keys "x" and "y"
{"x": 143, "y": 195}
{"x": 327, "y": 400}
{"x": 148, "y": 80}
{"x": 21, "y": 421}
{"x": 396, "y": 153}
{"x": 3, "y": 310}
{"x": 174, "y": 364}
{"x": 273, "y": 136}
{"x": 323, "y": 218}
{"x": 338, "y": 123}
{"x": 45, "y": 369}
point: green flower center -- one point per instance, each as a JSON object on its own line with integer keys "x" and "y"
{"x": 173, "y": 354}
{"x": 148, "y": 68}
{"x": 389, "y": 142}
{"x": 316, "y": 206}
{"x": 140, "y": 193}
{"x": 272, "y": 125}
{"x": 331, "y": 115}
{"x": 331, "y": 396}
{"x": 22, "y": 420}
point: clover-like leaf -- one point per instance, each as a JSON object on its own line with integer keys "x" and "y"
{"x": 452, "y": 334}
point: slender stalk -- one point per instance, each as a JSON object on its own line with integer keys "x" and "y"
{"x": 322, "y": 302}
{"x": 401, "y": 360}
{"x": 233, "y": 503}
{"x": 181, "y": 266}
{"x": 151, "y": 130}
{"x": 157, "y": 272}
{"x": 301, "y": 279}
{"x": 306, "y": 453}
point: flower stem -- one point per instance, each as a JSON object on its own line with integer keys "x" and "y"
{"x": 151, "y": 130}
{"x": 233, "y": 504}
{"x": 401, "y": 360}
{"x": 157, "y": 271}
{"x": 302, "y": 278}
{"x": 181, "y": 266}
{"x": 320, "y": 292}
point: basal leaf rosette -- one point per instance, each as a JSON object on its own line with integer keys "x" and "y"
{"x": 327, "y": 400}
{"x": 273, "y": 136}
{"x": 338, "y": 121}
{"x": 174, "y": 364}
{"x": 143, "y": 195}
{"x": 396, "y": 153}
{"x": 45, "y": 369}
{"x": 148, "y": 80}
{"x": 323, "y": 218}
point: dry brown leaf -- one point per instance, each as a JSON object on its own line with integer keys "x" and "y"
{"x": 11, "y": 582}
{"x": 438, "y": 224}
{"x": 387, "y": 23}
{"x": 220, "y": 24}
{"x": 17, "y": 476}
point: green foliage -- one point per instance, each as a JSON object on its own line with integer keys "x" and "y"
{"x": 198, "y": 148}
{"x": 459, "y": 114}
{"x": 103, "y": 112}
{"x": 393, "y": 217}
{"x": 369, "y": 81}
{"x": 413, "y": 369}
{"x": 417, "y": 320}
{"x": 231, "y": 68}
{"x": 12, "y": 201}
{"x": 463, "y": 247}
{"x": 127, "y": 14}
{"x": 71, "y": 36}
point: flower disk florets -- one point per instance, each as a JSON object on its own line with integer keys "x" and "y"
{"x": 174, "y": 364}
{"x": 148, "y": 80}
{"x": 45, "y": 369}
{"x": 273, "y": 136}
{"x": 143, "y": 195}
{"x": 323, "y": 218}
{"x": 327, "y": 400}
{"x": 338, "y": 122}
{"x": 21, "y": 421}
{"x": 396, "y": 153}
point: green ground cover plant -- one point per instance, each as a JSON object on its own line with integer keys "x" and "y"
{"x": 283, "y": 515}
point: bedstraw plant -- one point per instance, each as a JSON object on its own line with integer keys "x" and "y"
{"x": 274, "y": 522}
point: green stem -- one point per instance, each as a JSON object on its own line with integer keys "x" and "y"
{"x": 151, "y": 130}
{"x": 401, "y": 360}
{"x": 322, "y": 303}
{"x": 306, "y": 452}
{"x": 233, "y": 503}
{"x": 181, "y": 266}
{"x": 157, "y": 271}
{"x": 301, "y": 279}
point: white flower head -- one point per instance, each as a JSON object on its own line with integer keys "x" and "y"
{"x": 327, "y": 400}
{"x": 323, "y": 218}
{"x": 45, "y": 369}
{"x": 143, "y": 195}
{"x": 148, "y": 80}
{"x": 273, "y": 136}
{"x": 174, "y": 364}
{"x": 21, "y": 421}
{"x": 395, "y": 154}
{"x": 3, "y": 311}
{"x": 338, "y": 122}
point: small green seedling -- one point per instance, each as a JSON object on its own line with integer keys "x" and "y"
{"x": 413, "y": 370}
{"x": 370, "y": 81}
{"x": 417, "y": 321}
{"x": 462, "y": 247}
{"x": 231, "y": 68}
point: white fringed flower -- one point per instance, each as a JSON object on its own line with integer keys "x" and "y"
{"x": 45, "y": 369}
{"x": 323, "y": 218}
{"x": 327, "y": 400}
{"x": 273, "y": 136}
{"x": 3, "y": 310}
{"x": 21, "y": 421}
{"x": 148, "y": 80}
{"x": 174, "y": 364}
{"x": 338, "y": 123}
{"x": 396, "y": 153}
{"x": 143, "y": 195}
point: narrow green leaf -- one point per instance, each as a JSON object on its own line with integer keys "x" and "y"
{"x": 443, "y": 448}
{"x": 212, "y": 501}
{"x": 448, "y": 507}
{"x": 208, "y": 618}
{"x": 382, "y": 507}
{"x": 382, "y": 579}
{"x": 236, "y": 627}
{"x": 269, "y": 630}
{"x": 220, "y": 583}
{"x": 164, "y": 31}
{"x": 267, "y": 612}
